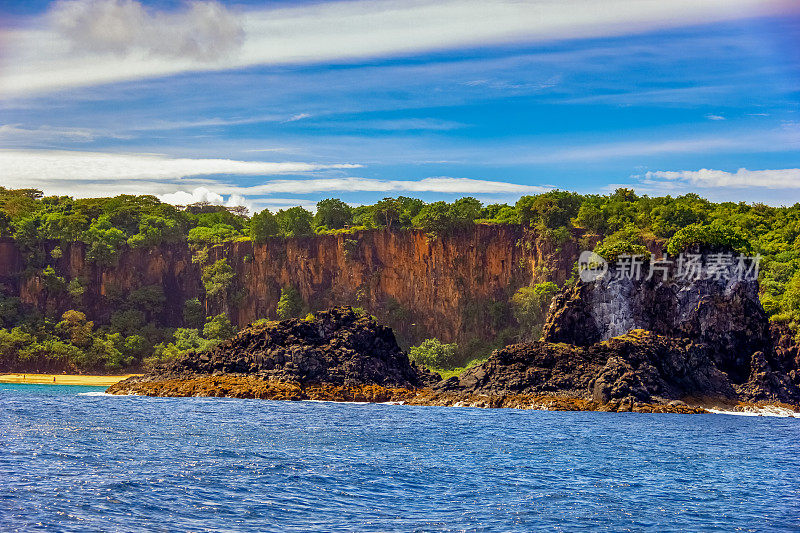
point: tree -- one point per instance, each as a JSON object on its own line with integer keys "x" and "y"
{"x": 295, "y": 222}
{"x": 104, "y": 241}
{"x": 75, "y": 328}
{"x": 149, "y": 298}
{"x": 155, "y": 230}
{"x": 217, "y": 278}
{"x": 434, "y": 218}
{"x": 333, "y": 213}
{"x": 441, "y": 217}
{"x": 387, "y": 212}
{"x": 218, "y": 328}
{"x": 434, "y": 354}
{"x": 127, "y": 321}
{"x": 290, "y": 304}
{"x": 216, "y": 234}
{"x": 627, "y": 241}
{"x": 714, "y": 237}
{"x": 193, "y": 315}
{"x": 466, "y": 209}
{"x": 262, "y": 226}
{"x": 549, "y": 211}
{"x": 530, "y": 306}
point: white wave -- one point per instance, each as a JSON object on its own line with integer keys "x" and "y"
{"x": 95, "y": 393}
{"x": 336, "y": 401}
{"x": 767, "y": 410}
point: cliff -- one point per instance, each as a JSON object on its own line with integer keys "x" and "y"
{"x": 454, "y": 287}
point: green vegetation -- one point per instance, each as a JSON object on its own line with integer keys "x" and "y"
{"x": 433, "y": 354}
{"x": 290, "y": 304}
{"x": 697, "y": 236}
{"x": 530, "y": 306}
{"x": 139, "y": 326}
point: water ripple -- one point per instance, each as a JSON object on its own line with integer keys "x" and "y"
{"x": 73, "y": 462}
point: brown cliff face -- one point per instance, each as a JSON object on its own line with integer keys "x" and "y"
{"x": 454, "y": 287}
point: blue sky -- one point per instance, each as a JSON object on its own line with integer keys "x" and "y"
{"x": 284, "y": 103}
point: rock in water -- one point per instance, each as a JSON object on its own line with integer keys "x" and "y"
{"x": 621, "y": 339}
{"x": 336, "y": 347}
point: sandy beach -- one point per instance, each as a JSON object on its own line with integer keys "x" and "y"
{"x": 63, "y": 379}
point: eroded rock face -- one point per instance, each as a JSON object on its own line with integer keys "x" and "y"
{"x": 337, "y": 347}
{"x": 724, "y": 314}
{"x": 622, "y": 339}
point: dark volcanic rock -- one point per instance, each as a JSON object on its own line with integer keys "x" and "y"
{"x": 725, "y": 314}
{"x": 640, "y": 365}
{"x": 648, "y": 341}
{"x": 337, "y": 347}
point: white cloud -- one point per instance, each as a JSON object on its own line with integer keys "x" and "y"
{"x": 786, "y": 178}
{"x": 298, "y": 116}
{"x": 42, "y": 58}
{"x": 715, "y": 117}
{"x": 19, "y": 133}
{"x": 204, "y": 31}
{"x": 30, "y": 166}
{"x": 202, "y": 194}
{"x": 441, "y": 184}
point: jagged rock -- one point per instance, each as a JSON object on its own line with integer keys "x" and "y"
{"x": 725, "y": 314}
{"x": 640, "y": 365}
{"x": 618, "y": 339}
{"x": 337, "y": 347}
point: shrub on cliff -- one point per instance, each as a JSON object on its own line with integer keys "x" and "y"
{"x": 627, "y": 241}
{"x": 441, "y": 217}
{"x": 216, "y": 234}
{"x": 290, "y": 304}
{"x": 263, "y": 225}
{"x": 333, "y": 213}
{"x": 434, "y": 354}
{"x": 217, "y": 278}
{"x": 716, "y": 237}
{"x": 530, "y": 308}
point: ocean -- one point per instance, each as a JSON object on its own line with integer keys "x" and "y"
{"x": 73, "y": 459}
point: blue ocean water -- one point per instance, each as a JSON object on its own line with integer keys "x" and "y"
{"x": 78, "y": 462}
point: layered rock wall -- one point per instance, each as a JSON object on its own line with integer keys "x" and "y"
{"x": 453, "y": 287}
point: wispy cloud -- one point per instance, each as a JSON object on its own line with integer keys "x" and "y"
{"x": 29, "y": 166}
{"x": 10, "y": 133}
{"x": 785, "y": 178}
{"x": 44, "y": 58}
{"x": 441, "y": 184}
{"x": 715, "y": 117}
{"x": 298, "y": 116}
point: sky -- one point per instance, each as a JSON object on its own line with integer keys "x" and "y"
{"x": 283, "y": 103}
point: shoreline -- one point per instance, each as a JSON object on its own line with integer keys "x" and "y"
{"x": 64, "y": 379}
{"x": 250, "y": 387}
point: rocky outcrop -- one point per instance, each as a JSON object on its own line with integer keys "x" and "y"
{"x": 336, "y": 347}
{"x": 725, "y": 314}
{"x": 619, "y": 339}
